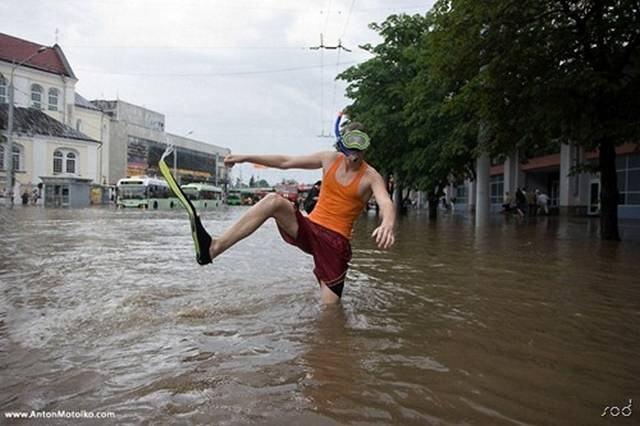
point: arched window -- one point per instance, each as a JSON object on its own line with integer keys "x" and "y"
{"x": 36, "y": 96}
{"x": 78, "y": 124}
{"x": 17, "y": 156}
{"x": 65, "y": 161}
{"x": 4, "y": 94}
{"x": 53, "y": 99}
{"x": 57, "y": 161}
{"x": 71, "y": 162}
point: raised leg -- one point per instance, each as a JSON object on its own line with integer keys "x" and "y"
{"x": 273, "y": 206}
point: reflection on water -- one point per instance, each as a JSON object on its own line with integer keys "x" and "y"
{"x": 522, "y": 322}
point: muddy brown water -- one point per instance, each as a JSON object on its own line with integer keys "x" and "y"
{"x": 521, "y": 322}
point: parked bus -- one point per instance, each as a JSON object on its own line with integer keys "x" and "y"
{"x": 145, "y": 192}
{"x": 203, "y": 196}
{"x": 234, "y": 197}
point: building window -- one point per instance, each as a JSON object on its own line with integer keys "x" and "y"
{"x": 36, "y": 96}
{"x": 628, "y": 168}
{"x": 71, "y": 162}
{"x": 57, "y": 161}
{"x": 78, "y": 124}
{"x": 462, "y": 194}
{"x": 17, "y": 157}
{"x": 53, "y": 99}
{"x": 497, "y": 189}
{"x": 17, "y": 153}
{"x": 4, "y": 98}
{"x": 65, "y": 161}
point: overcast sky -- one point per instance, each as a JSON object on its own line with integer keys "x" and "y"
{"x": 236, "y": 73}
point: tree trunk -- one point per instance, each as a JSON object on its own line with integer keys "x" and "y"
{"x": 433, "y": 201}
{"x": 397, "y": 194}
{"x": 397, "y": 199}
{"x": 608, "y": 193}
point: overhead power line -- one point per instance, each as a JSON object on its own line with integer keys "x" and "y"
{"x": 208, "y": 74}
{"x": 346, "y": 24}
{"x": 196, "y": 47}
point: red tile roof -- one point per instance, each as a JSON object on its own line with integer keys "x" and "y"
{"x": 16, "y": 50}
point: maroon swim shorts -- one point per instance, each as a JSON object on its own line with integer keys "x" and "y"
{"x": 331, "y": 251}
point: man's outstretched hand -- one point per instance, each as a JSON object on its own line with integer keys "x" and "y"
{"x": 231, "y": 160}
{"x": 384, "y": 236}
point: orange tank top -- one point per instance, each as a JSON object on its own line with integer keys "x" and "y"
{"x": 338, "y": 205}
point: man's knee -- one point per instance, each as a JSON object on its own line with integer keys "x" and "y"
{"x": 276, "y": 202}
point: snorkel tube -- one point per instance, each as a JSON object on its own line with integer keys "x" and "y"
{"x": 339, "y": 144}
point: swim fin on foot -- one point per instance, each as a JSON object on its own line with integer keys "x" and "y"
{"x": 201, "y": 238}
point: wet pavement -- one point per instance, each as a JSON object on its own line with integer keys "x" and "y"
{"x": 521, "y": 322}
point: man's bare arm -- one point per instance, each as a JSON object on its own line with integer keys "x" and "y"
{"x": 384, "y": 234}
{"x": 312, "y": 161}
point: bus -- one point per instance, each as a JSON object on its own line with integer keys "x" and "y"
{"x": 234, "y": 197}
{"x": 145, "y": 192}
{"x": 203, "y": 196}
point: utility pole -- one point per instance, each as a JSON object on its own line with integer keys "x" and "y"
{"x": 322, "y": 46}
{"x": 215, "y": 171}
{"x": 8, "y": 161}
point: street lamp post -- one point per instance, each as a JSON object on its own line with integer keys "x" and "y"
{"x": 9, "y": 169}
{"x": 215, "y": 170}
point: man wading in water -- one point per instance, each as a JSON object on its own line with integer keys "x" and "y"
{"x": 347, "y": 185}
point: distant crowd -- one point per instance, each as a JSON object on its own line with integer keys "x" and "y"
{"x": 526, "y": 203}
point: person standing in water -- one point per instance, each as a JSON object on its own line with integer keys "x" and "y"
{"x": 312, "y": 197}
{"x": 348, "y": 183}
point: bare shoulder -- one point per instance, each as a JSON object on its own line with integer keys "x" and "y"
{"x": 328, "y": 157}
{"x": 372, "y": 175}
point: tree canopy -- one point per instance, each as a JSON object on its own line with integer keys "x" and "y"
{"x": 537, "y": 72}
{"x": 418, "y": 136}
{"x": 531, "y": 73}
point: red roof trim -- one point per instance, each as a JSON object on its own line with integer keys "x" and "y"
{"x": 16, "y": 50}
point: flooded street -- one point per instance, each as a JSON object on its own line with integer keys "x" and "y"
{"x": 532, "y": 322}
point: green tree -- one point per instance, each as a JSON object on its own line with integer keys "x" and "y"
{"x": 535, "y": 71}
{"x": 419, "y": 136}
{"x": 442, "y": 133}
{"x": 378, "y": 88}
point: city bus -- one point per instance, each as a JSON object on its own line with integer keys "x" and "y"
{"x": 203, "y": 196}
{"x": 145, "y": 192}
{"x": 234, "y": 197}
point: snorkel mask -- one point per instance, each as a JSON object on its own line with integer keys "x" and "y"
{"x": 351, "y": 141}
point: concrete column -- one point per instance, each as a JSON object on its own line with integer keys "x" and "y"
{"x": 512, "y": 173}
{"x": 565, "y": 180}
{"x": 471, "y": 191}
{"x": 483, "y": 163}
{"x": 573, "y": 189}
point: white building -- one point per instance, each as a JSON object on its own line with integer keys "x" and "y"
{"x": 136, "y": 139}
{"x": 58, "y": 135}
{"x": 44, "y": 141}
{"x": 569, "y": 193}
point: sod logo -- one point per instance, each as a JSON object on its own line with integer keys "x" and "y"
{"x": 616, "y": 411}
